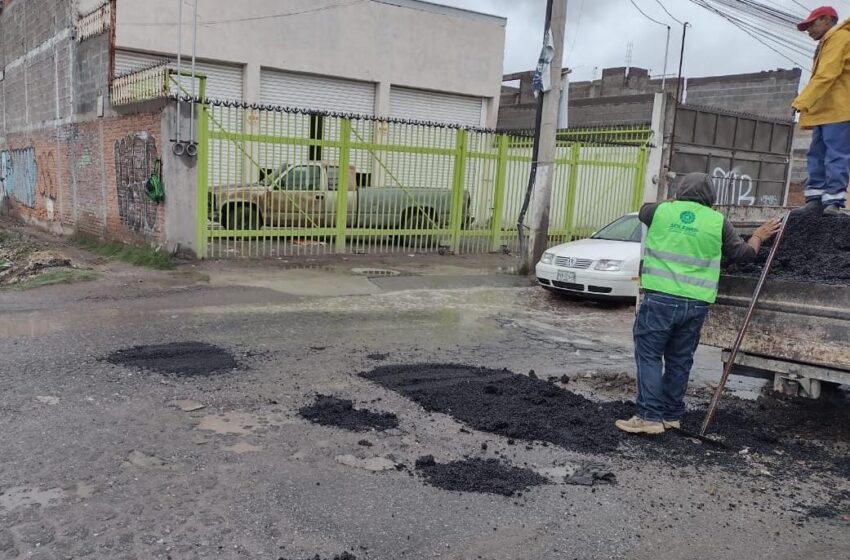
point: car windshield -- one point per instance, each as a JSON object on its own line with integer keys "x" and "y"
{"x": 626, "y": 228}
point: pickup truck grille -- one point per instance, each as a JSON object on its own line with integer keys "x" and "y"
{"x": 572, "y": 262}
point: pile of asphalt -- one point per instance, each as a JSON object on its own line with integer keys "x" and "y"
{"x": 787, "y": 436}
{"x": 177, "y": 358}
{"x": 488, "y": 476}
{"x": 814, "y": 249}
{"x": 340, "y": 413}
{"x": 343, "y": 556}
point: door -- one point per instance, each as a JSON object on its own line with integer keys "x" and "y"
{"x": 298, "y": 199}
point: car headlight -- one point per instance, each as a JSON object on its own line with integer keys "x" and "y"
{"x": 547, "y": 258}
{"x": 607, "y": 265}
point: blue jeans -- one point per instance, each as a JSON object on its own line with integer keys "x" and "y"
{"x": 829, "y": 164}
{"x": 666, "y": 333}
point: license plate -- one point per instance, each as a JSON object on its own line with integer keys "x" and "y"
{"x": 566, "y": 276}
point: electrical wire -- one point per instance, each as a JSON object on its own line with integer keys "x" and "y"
{"x": 666, "y": 11}
{"x": 578, "y": 28}
{"x": 645, "y": 15}
{"x": 253, "y": 18}
{"x": 748, "y": 29}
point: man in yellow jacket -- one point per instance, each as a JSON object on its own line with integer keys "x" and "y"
{"x": 824, "y": 107}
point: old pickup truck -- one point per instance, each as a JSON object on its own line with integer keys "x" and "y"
{"x": 305, "y": 196}
{"x": 800, "y": 332}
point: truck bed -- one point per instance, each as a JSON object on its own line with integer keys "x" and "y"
{"x": 798, "y": 329}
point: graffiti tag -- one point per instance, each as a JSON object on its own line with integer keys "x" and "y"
{"x": 134, "y": 162}
{"x": 733, "y": 187}
{"x": 19, "y": 175}
{"x": 768, "y": 200}
{"x": 47, "y": 184}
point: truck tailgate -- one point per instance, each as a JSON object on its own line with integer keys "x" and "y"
{"x": 794, "y": 321}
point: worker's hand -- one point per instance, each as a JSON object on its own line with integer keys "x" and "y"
{"x": 767, "y": 229}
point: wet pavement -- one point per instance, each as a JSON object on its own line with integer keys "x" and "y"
{"x": 118, "y": 461}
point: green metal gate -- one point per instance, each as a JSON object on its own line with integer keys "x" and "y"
{"x": 275, "y": 181}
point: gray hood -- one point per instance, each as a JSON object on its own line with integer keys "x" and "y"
{"x": 697, "y": 187}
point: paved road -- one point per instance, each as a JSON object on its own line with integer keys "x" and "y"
{"x": 98, "y": 461}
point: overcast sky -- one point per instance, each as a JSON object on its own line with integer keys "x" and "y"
{"x": 599, "y": 31}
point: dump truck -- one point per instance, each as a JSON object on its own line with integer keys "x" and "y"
{"x": 305, "y": 196}
{"x": 800, "y": 332}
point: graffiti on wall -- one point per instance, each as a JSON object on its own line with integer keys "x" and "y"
{"x": 733, "y": 187}
{"x": 47, "y": 187}
{"x": 134, "y": 162}
{"x": 18, "y": 174}
{"x": 4, "y": 165}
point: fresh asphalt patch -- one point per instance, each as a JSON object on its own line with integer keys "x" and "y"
{"x": 765, "y": 438}
{"x": 340, "y": 413}
{"x": 176, "y": 358}
{"x": 489, "y": 476}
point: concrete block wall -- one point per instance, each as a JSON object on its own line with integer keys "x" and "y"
{"x": 767, "y": 94}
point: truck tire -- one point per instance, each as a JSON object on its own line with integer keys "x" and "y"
{"x": 417, "y": 218}
{"x": 241, "y": 217}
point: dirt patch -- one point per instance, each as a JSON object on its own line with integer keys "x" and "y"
{"x": 814, "y": 249}
{"x": 488, "y": 476}
{"x": 766, "y": 437}
{"x": 178, "y": 358}
{"x": 837, "y": 505}
{"x": 340, "y": 413}
{"x": 28, "y": 263}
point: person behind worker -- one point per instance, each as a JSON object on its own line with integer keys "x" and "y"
{"x": 679, "y": 275}
{"x": 824, "y": 106}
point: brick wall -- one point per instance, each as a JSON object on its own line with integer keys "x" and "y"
{"x": 90, "y": 178}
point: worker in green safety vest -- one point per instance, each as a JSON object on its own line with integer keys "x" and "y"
{"x": 679, "y": 274}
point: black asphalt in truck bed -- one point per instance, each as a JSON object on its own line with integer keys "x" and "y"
{"x": 814, "y": 249}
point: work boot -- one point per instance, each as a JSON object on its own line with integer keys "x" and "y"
{"x": 637, "y": 425}
{"x": 832, "y": 210}
{"x": 673, "y": 424}
{"x": 810, "y": 207}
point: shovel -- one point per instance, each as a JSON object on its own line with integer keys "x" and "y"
{"x": 715, "y": 400}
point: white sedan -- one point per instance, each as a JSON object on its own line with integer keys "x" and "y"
{"x": 604, "y": 266}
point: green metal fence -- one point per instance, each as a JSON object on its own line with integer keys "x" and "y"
{"x": 276, "y": 182}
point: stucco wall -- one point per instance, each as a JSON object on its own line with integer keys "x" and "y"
{"x": 410, "y": 44}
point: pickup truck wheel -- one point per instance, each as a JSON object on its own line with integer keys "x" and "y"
{"x": 240, "y": 218}
{"x": 416, "y": 219}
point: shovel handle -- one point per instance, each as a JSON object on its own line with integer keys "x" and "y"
{"x": 715, "y": 399}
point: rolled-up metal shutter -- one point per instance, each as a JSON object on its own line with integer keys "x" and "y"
{"x": 421, "y": 105}
{"x": 322, "y": 93}
{"x": 224, "y": 81}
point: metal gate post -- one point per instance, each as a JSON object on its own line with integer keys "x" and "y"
{"x": 640, "y": 180}
{"x": 457, "y": 213}
{"x": 202, "y": 188}
{"x": 572, "y": 184}
{"x": 499, "y": 194}
{"x": 342, "y": 185}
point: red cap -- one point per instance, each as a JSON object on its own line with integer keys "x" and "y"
{"x": 816, "y": 13}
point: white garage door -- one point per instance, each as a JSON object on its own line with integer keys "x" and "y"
{"x": 421, "y": 105}
{"x": 322, "y": 93}
{"x": 223, "y": 81}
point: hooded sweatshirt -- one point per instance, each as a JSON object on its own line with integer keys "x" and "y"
{"x": 698, "y": 187}
{"x": 826, "y": 98}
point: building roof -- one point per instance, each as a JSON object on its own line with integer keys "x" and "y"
{"x": 433, "y": 8}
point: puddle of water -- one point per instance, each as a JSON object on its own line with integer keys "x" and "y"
{"x": 21, "y": 496}
{"x": 238, "y": 423}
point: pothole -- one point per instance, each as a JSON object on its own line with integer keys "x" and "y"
{"x": 340, "y": 413}
{"x": 178, "y": 358}
{"x": 489, "y": 476}
{"x": 375, "y": 272}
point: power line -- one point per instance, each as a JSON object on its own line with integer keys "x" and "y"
{"x": 578, "y": 28}
{"x": 663, "y": 7}
{"x": 253, "y": 18}
{"x": 644, "y": 14}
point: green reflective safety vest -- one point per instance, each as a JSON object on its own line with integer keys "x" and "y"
{"x": 682, "y": 251}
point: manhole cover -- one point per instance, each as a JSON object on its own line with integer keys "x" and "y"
{"x": 180, "y": 358}
{"x": 372, "y": 272}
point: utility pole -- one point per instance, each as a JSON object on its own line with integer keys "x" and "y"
{"x": 678, "y": 101}
{"x": 539, "y": 193}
